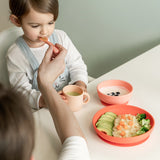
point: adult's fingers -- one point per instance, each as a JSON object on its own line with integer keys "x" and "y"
{"x": 48, "y": 54}
{"x": 60, "y": 47}
{"x": 62, "y": 51}
{"x": 57, "y": 49}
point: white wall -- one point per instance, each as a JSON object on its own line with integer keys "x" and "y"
{"x": 106, "y": 32}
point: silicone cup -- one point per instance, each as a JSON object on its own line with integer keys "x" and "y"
{"x": 75, "y": 102}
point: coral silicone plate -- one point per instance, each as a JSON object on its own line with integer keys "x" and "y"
{"x": 123, "y": 109}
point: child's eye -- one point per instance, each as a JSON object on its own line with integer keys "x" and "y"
{"x": 35, "y": 26}
{"x": 51, "y": 23}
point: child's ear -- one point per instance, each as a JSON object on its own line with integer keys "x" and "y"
{"x": 15, "y": 20}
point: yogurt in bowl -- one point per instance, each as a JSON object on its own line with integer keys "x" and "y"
{"x": 114, "y": 91}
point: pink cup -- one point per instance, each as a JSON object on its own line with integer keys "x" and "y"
{"x": 74, "y": 96}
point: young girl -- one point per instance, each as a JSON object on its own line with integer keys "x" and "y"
{"x": 37, "y": 19}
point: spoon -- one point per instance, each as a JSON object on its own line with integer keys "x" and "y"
{"x": 45, "y": 39}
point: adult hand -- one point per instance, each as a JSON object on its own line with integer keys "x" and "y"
{"x": 51, "y": 68}
{"x": 42, "y": 103}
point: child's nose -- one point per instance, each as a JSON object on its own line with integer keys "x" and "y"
{"x": 44, "y": 30}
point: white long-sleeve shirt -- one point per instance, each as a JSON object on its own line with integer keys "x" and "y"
{"x": 21, "y": 72}
{"x": 74, "y": 148}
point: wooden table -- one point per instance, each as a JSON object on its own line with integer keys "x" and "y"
{"x": 144, "y": 75}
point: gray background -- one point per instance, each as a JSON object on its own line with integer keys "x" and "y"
{"x": 106, "y": 32}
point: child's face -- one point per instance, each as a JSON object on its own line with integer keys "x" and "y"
{"x": 35, "y": 25}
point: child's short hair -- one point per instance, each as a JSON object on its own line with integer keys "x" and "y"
{"x": 22, "y": 7}
{"x": 16, "y": 126}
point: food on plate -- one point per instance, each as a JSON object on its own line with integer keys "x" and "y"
{"x": 145, "y": 123}
{"x": 125, "y": 125}
{"x": 106, "y": 122}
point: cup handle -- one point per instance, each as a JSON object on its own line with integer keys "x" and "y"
{"x": 86, "y": 98}
{"x": 63, "y": 96}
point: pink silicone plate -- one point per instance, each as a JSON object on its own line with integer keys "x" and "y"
{"x": 119, "y": 110}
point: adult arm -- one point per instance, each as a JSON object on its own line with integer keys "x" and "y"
{"x": 65, "y": 122}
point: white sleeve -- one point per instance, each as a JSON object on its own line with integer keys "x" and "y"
{"x": 20, "y": 74}
{"x": 75, "y": 64}
{"x": 74, "y": 148}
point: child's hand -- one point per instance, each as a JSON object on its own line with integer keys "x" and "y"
{"x": 82, "y": 85}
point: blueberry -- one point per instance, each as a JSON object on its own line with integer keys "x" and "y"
{"x": 113, "y": 93}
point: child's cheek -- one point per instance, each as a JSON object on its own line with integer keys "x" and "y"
{"x": 32, "y": 35}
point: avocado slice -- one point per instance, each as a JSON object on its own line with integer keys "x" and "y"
{"x": 106, "y": 130}
{"x": 111, "y": 114}
{"x": 106, "y": 122}
{"x": 106, "y": 119}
